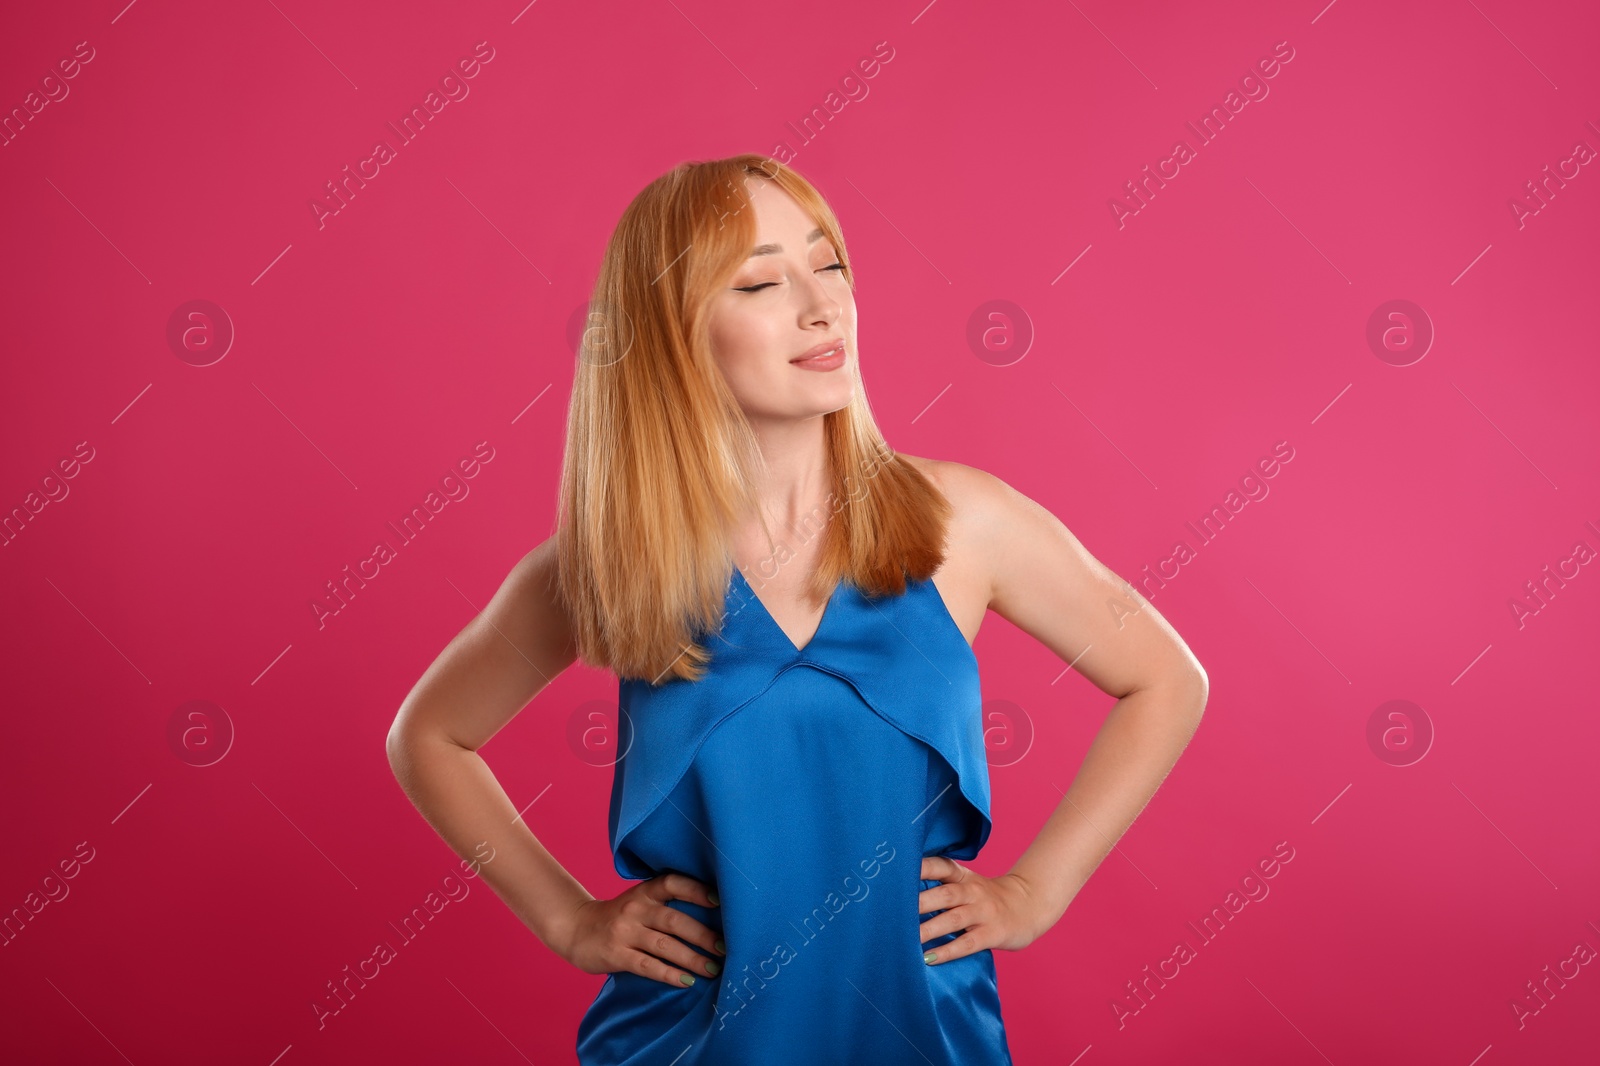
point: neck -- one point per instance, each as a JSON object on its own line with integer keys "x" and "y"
{"x": 794, "y": 493}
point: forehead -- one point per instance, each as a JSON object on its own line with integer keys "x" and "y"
{"x": 781, "y": 223}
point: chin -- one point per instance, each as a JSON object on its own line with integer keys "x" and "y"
{"x": 839, "y": 404}
{"x": 836, "y": 388}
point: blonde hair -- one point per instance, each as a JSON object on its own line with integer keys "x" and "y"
{"x": 661, "y": 465}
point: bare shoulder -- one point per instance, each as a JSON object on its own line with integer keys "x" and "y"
{"x": 999, "y": 537}
{"x": 980, "y": 503}
{"x": 977, "y": 503}
{"x": 1017, "y": 557}
{"x": 972, "y": 492}
{"x": 1005, "y": 534}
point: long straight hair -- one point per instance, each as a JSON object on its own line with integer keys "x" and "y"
{"x": 661, "y": 466}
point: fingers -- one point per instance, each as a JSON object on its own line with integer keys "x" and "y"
{"x": 672, "y": 959}
{"x": 674, "y": 921}
{"x": 958, "y": 905}
{"x": 962, "y": 946}
{"x": 946, "y": 922}
{"x": 939, "y": 868}
{"x": 649, "y": 966}
{"x": 681, "y": 886}
{"x": 657, "y": 938}
{"x": 941, "y": 898}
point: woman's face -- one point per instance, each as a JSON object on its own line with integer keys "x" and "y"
{"x": 785, "y": 300}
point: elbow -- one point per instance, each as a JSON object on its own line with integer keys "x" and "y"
{"x": 1186, "y": 689}
{"x": 1196, "y": 686}
{"x": 413, "y": 736}
{"x": 1182, "y": 693}
{"x": 399, "y": 742}
{"x": 394, "y": 747}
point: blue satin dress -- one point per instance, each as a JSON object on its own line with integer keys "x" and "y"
{"x": 804, "y": 786}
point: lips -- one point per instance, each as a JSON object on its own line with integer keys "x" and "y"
{"x": 825, "y": 348}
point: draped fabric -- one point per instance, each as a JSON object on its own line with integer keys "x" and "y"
{"x": 804, "y": 785}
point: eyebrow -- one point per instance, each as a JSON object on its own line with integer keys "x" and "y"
{"x": 773, "y": 249}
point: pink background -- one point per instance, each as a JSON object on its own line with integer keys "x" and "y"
{"x": 432, "y": 312}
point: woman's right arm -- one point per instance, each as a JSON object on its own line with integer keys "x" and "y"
{"x": 490, "y": 671}
{"x": 500, "y": 661}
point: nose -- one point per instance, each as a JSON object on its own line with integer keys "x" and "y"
{"x": 820, "y": 304}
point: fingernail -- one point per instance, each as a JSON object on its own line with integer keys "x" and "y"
{"x": 686, "y": 979}
{"x": 714, "y": 966}
{"x": 716, "y": 900}
{"x": 722, "y": 947}
{"x": 928, "y": 957}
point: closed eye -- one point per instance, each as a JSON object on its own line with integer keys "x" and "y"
{"x": 767, "y": 284}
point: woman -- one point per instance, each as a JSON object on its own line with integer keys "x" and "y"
{"x": 789, "y": 605}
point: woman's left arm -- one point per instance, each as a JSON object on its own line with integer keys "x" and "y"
{"x": 1045, "y": 582}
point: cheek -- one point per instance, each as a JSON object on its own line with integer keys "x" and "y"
{"x": 733, "y": 346}
{"x": 754, "y": 379}
{"x": 744, "y": 356}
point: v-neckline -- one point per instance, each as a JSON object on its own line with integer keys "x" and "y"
{"x": 827, "y": 610}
